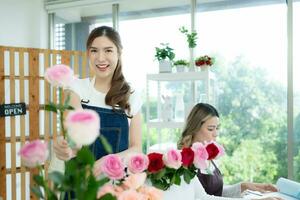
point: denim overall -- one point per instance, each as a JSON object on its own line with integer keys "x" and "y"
{"x": 114, "y": 127}
{"x": 212, "y": 183}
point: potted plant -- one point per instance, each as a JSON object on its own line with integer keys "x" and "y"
{"x": 203, "y": 62}
{"x": 181, "y": 65}
{"x": 165, "y": 56}
{"x": 191, "y": 38}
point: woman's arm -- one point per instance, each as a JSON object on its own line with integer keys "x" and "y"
{"x": 261, "y": 187}
{"x": 232, "y": 190}
{"x": 135, "y": 135}
{"x": 200, "y": 194}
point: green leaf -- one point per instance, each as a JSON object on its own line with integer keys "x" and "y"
{"x": 71, "y": 143}
{"x": 56, "y": 177}
{"x": 37, "y": 191}
{"x": 106, "y": 144}
{"x": 91, "y": 190}
{"x": 177, "y": 180}
{"x": 51, "y": 195}
{"x": 160, "y": 184}
{"x": 51, "y": 107}
{"x": 102, "y": 181}
{"x": 69, "y": 108}
{"x": 62, "y": 196}
{"x": 159, "y": 174}
{"x": 67, "y": 100}
{"x": 108, "y": 197}
{"x": 85, "y": 156}
{"x": 187, "y": 176}
{"x": 39, "y": 180}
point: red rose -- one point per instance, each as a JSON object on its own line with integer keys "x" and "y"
{"x": 187, "y": 156}
{"x": 212, "y": 151}
{"x": 155, "y": 162}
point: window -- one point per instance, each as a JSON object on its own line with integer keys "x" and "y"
{"x": 59, "y": 36}
{"x": 249, "y": 45}
{"x": 296, "y": 71}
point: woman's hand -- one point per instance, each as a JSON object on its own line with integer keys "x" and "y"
{"x": 62, "y": 149}
{"x": 261, "y": 187}
{"x": 97, "y": 169}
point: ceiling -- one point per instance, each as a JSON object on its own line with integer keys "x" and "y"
{"x": 93, "y": 10}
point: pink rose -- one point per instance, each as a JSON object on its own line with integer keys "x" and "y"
{"x": 59, "y": 75}
{"x": 83, "y": 126}
{"x": 113, "y": 167}
{"x": 34, "y": 153}
{"x": 134, "y": 181}
{"x": 201, "y": 155}
{"x": 137, "y": 162}
{"x": 130, "y": 195}
{"x": 173, "y": 158}
{"x": 151, "y": 193}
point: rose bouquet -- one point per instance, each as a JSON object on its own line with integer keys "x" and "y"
{"x": 204, "y": 61}
{"x": 78, "y": 177}
{"x": 167, "y": 169}
{"x": 163, "y": 170}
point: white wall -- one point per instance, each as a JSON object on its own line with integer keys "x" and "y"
{"x": 24, "y": 23}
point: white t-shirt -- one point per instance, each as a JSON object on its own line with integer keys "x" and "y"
{"x": 85, "y": 89}
{"x": 192, "y": 191}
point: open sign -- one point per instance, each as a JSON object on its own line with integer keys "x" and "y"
{"x": 12, "y": 109}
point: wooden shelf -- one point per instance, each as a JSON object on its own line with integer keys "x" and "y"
{"x": 181, "y": 76}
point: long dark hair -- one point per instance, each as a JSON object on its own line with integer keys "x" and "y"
{"x": 198, "y": 115}
{"x": 119, "y": 92}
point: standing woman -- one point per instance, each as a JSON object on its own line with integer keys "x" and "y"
{"x": 202, "y": 126}
{"x": 110, "y": 95}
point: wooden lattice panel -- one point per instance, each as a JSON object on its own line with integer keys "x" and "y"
{"x": 22, "y": 80}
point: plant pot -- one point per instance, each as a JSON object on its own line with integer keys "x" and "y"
{"x": 202, "y": 68}
{"x": 165, "y": 66}
{"x": 192, "y": 62}
{"x": 180, "y": 68}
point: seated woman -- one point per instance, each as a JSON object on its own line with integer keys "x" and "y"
{"x": 202, "y": 125}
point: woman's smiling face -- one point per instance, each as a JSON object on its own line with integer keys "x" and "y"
{"x": 103, "y": 57}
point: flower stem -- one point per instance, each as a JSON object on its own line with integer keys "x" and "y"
{"x": 61, "y": 112}
{"x": 45, "y": 184}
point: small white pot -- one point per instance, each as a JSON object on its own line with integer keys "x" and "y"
{"x": 165, "y": 66}
{"x": 180, "y": 68}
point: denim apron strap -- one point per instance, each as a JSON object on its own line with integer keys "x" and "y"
{"x": 212, "y": 183}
